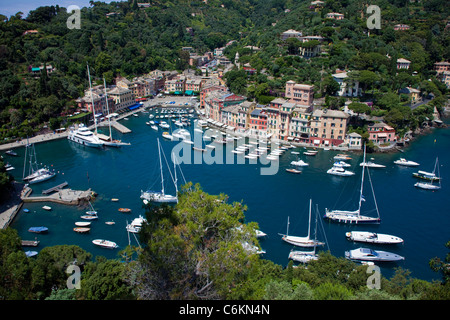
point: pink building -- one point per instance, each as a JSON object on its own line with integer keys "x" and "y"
{"x": 301, "y": 94}
{"x": 381, "y": 133}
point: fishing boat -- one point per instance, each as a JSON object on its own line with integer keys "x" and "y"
{"x": 366, "y": 254}
{"x": 82, "y": 230}
{"x": 306, "y": 242}
{"x": 105, "y": 243}
{"x": 82, "y": 223}
{"x": 372, "y": 237}
{"x": 296, "y": 171}
{"x": 125, "y": 210}
{"x": 355, "y": 216}
{"x": 136, "y": 225}
{"x": 406, "y": 163}
{"x": 299, "y": 163}
{"x": 339, "y": 171}
{"x": 38, "y": 229}
{"x": 160, "y": 196}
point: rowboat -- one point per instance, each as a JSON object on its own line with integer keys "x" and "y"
{"x": 124, "y": 210}
{"x": 82, "y": 223}
{"x": 293, "y": 171}
{"x": 82, "y": 230}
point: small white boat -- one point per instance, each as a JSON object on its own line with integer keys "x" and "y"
{"x": 105, "y": 243}
{"x": 82, "y": 223}
{"x": 299, "y": 163}
{"x": 295, "y": 152}
{"x": 338, "y": 171}
{"x": 136, "y": 225}
{"x": 365, "y": 254}
{"x": 47, "y": 208}
{"x": 427, "y": 186}
{"x": 341, "y": 164}
{"x": 82, "y": 230}
{"x": 294, "y": 171}
{"x": 260, "y": 234}
{"x": 89, "y": 217}
{"x": 310, "y": 153}
{"x": 371, "y": 164}
{"x": 167, "y": 135}
{"x": 342, "y": 157}
{"x": 407, "y": 163}
{"x": 373, "y": 237}
{"x": 154, "y": 127}
{"x": 303, "y": 256}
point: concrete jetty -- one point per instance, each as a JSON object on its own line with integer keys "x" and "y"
{"x": 63, "y": 196}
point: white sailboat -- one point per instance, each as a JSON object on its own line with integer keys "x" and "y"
{"x": 355, "y": 216}
{"x": 160, "y": 196}
{"x": 306, "y": 242}
{"x": 35, "y": 174}
{"x": 429, "y": 185}
{"x": 110, "y": 142}
{"x": 306, "y": 256}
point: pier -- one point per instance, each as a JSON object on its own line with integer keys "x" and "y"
{"x": 55, "y": 188}
{"x": 63, "y": 196}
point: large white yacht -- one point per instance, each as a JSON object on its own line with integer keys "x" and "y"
{"x": 85, "y": 137}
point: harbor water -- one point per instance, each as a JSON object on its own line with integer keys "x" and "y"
{"x": 420, "y": 217}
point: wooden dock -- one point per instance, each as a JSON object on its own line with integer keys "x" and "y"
{"x": 56, "y": 188}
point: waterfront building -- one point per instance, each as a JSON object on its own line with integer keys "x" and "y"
{"x": 123, "y": 98}
{"x": 176, "y": 85}
{"x": 301, "y": 94}
{"x": 328, "y": 127}
{"x": 98, "y": 100}
{"x": 230, "y": 116}
{"x": 346, "y": 88}
{"x": 403, "y": 63}
{"x": 446, "y": 78}
{"x": 258, "y": 121}
{"x": 381, "y": 133}
{"x": 208, "y": 89}
{"x": 194, "y": 85}
{"x": 299, "y": 124}
{"x": 354, "y": 141}
{"x": 216, "y": 100}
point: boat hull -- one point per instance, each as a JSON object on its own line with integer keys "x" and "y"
{"x": 372, "y": 237}
{"x": 350, "y": 217}
{"x": 363, "y": 254}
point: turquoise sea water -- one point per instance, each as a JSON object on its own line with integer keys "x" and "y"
{"x": 420, "y": 217}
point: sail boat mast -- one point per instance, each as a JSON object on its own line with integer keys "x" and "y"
{"x": 160, "y": 165}
{"x": 362, "y": 182}
{"x": 92, "y": 99}
{"x": 107, "y": 108}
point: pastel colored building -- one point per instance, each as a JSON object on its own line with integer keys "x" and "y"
{"x": 328, "y": 127}
{"x": 301, "y": 94}
{"x": 403, "y": 63}
{"x": 381, "y": 133}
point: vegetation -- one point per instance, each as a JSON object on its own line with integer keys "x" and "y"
{"x": 120, "y": 38}
{"x": 199, "y": 249}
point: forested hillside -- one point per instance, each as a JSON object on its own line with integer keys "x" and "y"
{"x": 121, "y": 38}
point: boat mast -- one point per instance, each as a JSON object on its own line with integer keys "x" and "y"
{"x": 160, "y": 165}
{"x": 309, "y": 224}
{"x": 25, "y": 158}
{"x": 362, "y": 181}
{"x": 107, "y": 108}
{"x": 92, "y": 99}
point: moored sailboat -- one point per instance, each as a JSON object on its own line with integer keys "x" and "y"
{"x": 355, "y": 216}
